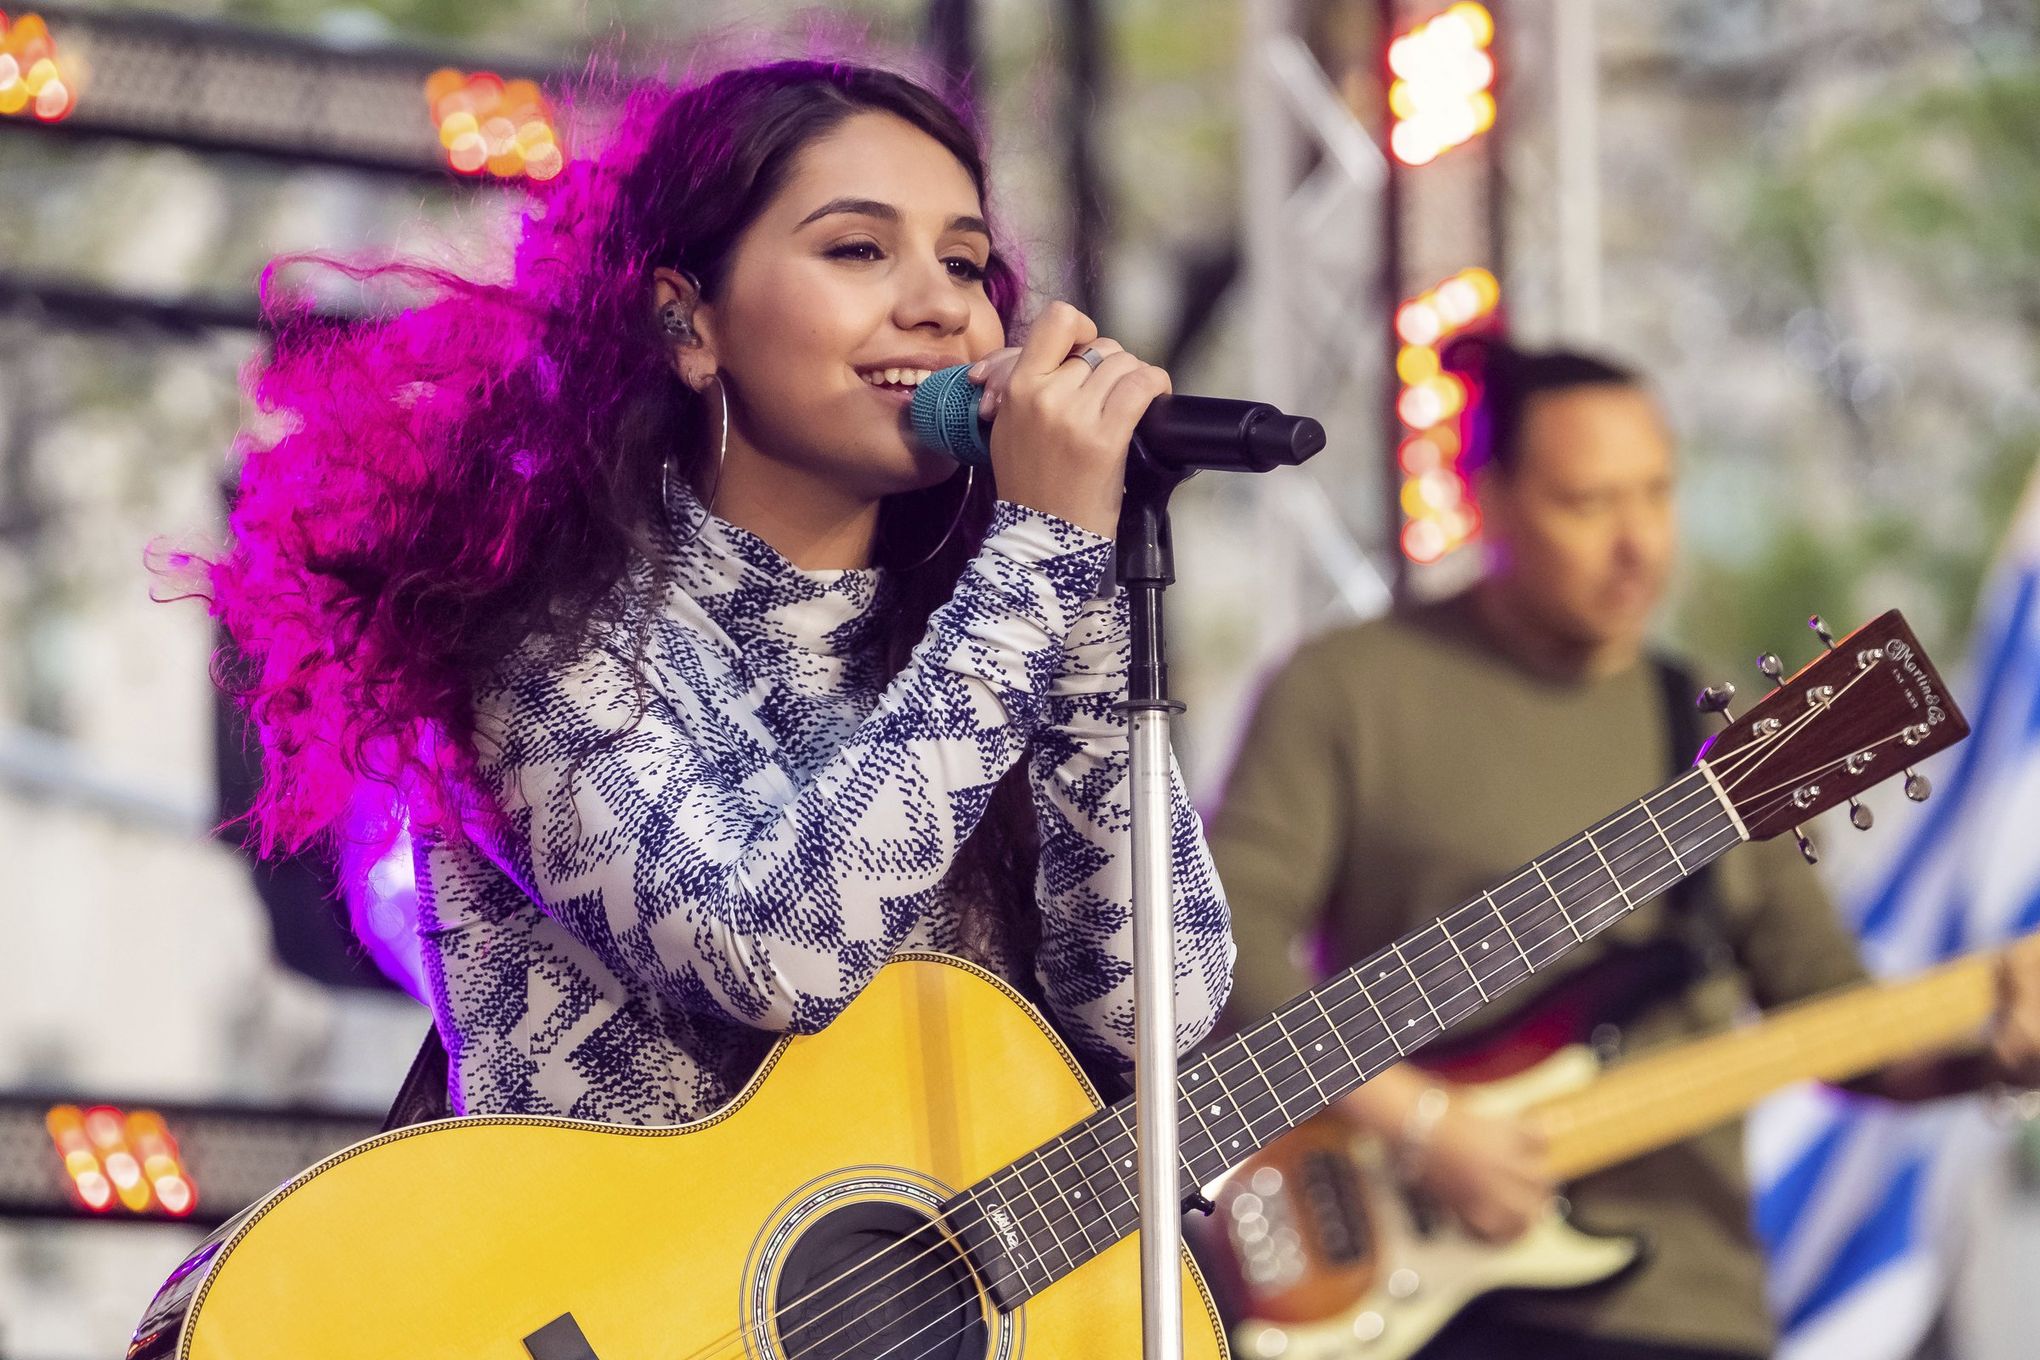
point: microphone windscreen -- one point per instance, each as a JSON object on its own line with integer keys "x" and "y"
{"x": 944, "y": 415}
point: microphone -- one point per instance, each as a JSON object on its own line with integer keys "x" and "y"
{"x": 1178, "y": 434}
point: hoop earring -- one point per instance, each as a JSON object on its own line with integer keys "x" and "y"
{"x": 962, "y": 504}
{"x": 722, "y": 453}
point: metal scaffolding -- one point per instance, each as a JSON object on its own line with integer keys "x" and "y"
{"x": 219, "y": 87}
{"x": 1313, "y": 183}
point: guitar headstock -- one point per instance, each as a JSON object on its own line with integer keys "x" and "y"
{"x": 1858, "y": 714}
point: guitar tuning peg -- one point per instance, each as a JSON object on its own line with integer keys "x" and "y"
{"x": 1806, "y": 846}
{"x": 1860, "y": 817}
{"x": 1772, "y": 667}
{"x": 1715, "y": 699}
{"x": 1918, "y": 787}
{"x": 1820, "y": 630}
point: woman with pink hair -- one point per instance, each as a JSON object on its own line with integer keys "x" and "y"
{"x": 710, "y": 691}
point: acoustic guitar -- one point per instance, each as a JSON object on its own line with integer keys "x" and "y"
{"x": 1321, "y": 1253}
{"x": 932, "y": 1176}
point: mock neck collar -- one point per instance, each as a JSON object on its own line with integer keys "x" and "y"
{"x": 755, "y": 595}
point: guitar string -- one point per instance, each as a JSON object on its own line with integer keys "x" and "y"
{"x": 946, "y": 1340}
{"x": 1555, "y": 933}
{"x": 1749, "y": 756}
{"x": 1118, "y": 1121}
{"x": 1820, "y": 770}
{"x": 1622, "y": 848}
{"x": 1059, "y": 1144}
{"x": 1644, "y": 1093}
{"x": 1620, "y": 851}
{"x": 1758, "y": 754}
{"x": 1766, "y": 750}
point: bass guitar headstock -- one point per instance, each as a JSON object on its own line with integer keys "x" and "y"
{"x": 1864, "y": 710}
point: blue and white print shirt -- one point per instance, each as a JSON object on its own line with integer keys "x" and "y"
{"x": 777, "y": 824}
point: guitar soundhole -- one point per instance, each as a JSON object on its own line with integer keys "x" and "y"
{"x": 875, "y": 1280}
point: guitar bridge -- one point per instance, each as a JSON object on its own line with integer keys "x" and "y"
{"x": 560, "y": 1339}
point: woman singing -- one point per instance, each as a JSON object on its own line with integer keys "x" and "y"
{"x": 709, "y": 690}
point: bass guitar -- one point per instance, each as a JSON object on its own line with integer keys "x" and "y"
{"x": 931, "y": 1176}
{"x": 1321, "y": 1253}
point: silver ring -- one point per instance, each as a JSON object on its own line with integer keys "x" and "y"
{"x": 1092, "y": 356}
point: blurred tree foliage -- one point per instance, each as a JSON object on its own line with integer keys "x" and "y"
{"x": 1940, "y": 188}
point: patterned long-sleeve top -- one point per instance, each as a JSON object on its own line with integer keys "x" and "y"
{"x": 728, "y": 836}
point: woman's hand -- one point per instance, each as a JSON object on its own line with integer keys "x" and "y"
{"x": 1060, "y": 428}
{"x": 1489, "y": 1172}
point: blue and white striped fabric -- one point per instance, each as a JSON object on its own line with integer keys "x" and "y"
{"x": 1857, "y": 1201}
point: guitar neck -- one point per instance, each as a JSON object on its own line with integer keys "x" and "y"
{"x": 1061, "y": 1204}
{"x": 1654, "y": 1102}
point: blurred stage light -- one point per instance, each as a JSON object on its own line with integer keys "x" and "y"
{"x": 35, "y": 81}
{"x": 1437, "y": 507}
{"x": 1441, "y": 95}
{"x": 1420, "y": 453}
{"x": 487, "y": 123}
{"x": 1423, "y": 541}
{"x": 119, "y": 1162}
{"x": 1418, "y": 322}
{"x": 159, "y": 76}
{"x": 1415, "y": 363}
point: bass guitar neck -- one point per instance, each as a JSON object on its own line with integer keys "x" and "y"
{"x": 1662, "y": 1099}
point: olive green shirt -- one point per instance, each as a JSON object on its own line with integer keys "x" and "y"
{"x": 1395, "y": 769}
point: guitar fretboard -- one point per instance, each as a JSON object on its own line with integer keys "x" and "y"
{"x": 1658, "y": 1100}
{"x": 1068, "y": 1200}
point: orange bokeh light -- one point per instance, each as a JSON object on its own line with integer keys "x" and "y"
{"x": 115, "y": 1157}
{"x": 35, "y": 80}
{"x": 1417, "y": 322}
{"x": 1424, "y": 541}
{"x": 486, "y": 123}
{"x": 1440, "y": 515}
{"x": 1419, "y": 455}
{"x": 1444, "y": 73}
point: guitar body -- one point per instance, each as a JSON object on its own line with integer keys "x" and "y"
{"x": 1374, "y": 1272}
{"x": 465, "y": 1238}
{"x": 1321, "y": 1252}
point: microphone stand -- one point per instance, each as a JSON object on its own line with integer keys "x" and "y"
{"x": 1198, "y": 432}
{"x": 1146, "y": 566}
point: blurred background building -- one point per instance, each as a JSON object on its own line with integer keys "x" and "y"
{"x": 1814, "y": 223}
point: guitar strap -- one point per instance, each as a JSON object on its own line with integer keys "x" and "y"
{"x": 422, "y": 1097}
{"x": 1692, "y": 942}
{"x": 1695, "y": 916}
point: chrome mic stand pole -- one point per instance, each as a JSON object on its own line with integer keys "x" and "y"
{"x": 1146, "y": 567}
{"x": 1260, "y": 438}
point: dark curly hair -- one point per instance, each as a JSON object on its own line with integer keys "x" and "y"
{"x": 425, "y": 491}
{"x": 1506, "y": 380}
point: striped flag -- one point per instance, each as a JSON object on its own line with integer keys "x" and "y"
{"x": 1857, "y": 1201}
